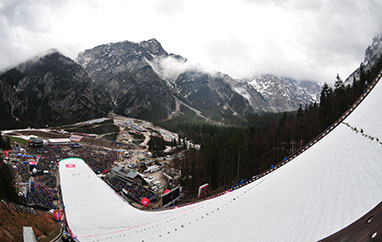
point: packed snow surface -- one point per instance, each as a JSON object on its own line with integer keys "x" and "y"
{"x": 329, "y": 186}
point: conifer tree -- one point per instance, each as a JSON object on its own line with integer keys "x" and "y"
{"x": 325, "y": 106}
{"x": 7, "y": 183}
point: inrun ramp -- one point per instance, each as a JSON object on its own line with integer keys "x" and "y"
{"x": 334, "y": 182}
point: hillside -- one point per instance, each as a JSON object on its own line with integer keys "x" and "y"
{"x": 51, "y": 89}
{"x": 13, "y": 217}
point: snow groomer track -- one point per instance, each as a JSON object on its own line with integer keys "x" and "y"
{"x": 332, "y": 182}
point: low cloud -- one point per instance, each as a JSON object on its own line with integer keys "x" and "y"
{"x": 169, "y": 68}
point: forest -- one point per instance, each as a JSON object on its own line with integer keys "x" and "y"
{"x": 231, "y": 153}
{"x": 7, "y": 181}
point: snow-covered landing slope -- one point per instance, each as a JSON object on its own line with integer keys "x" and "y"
{"x": 327, "y": 187}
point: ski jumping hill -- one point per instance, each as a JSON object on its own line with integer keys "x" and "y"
{"x": 332, "y": 182}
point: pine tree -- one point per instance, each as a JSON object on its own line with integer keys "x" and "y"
{"x": 339, "y": 84}
{"x": 7, "y": 183}
{"x": 5, "y": 144}
{"x": 325, "y": 114}
{"x": 300, "y": 112}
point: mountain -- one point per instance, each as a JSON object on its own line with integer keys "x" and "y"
{"x": 123, "y": 70}
{"x": 140, "y": 80}
{"x": 212, "y": 95}
{"x": 285, "y": 94}
{"x": 143, "y": 80}
{"x": 373, "y": 53}
{"x": 139, "y": 76}
{"x": 218, "y": 95}
{"x": 50, "y": 89}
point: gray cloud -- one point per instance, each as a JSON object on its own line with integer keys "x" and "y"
{"x": 326, "y": 37}
{"x": 22, "y": 23}
{"x": 296, "y": 38}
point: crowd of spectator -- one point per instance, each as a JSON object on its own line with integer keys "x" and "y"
{"x": 44, "y": 189}
{"x": 22, "y": 172}
{"x": 47, "y": 179}
{"x": 41, "y": 195}
{"x": 134, "y": 191}
{"x": 137, "y": 192}
{"x": 98, "y": 159}
{"x": 116, "y": 183}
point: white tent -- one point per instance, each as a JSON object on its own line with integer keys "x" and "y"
{"x": 60, "y": 141}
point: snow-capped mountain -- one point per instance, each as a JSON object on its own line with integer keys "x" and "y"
{"x": 265, "y": 93}
{"x": 145, "y": 81}
{"x": 285, "y": 94}
{"x": 140, "y": 80}
{"x": 139, "y": 76}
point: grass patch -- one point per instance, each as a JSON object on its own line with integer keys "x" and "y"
{"x": 19, "y": 140}
{"x": 137, "y": 136}
{"x": 103, "y": 128}
{"x": 111, "y": 137}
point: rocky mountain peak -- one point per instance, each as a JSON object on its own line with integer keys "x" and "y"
{"x": 51, "y": 60}
{"x": 286, "y": 94}
{"x": 123, "y": 70}
{"x": 153, "y": 47}
{"x": 373, "y": 51}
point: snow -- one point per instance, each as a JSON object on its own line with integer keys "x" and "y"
{"x": 261, "y": 87}
{"x": 28, "y": 129}
{"x": 242, "y": 92}
{"x": 92, "y": 121}
{"x": 297, "y": 92}
{"x": 329, "y": 186}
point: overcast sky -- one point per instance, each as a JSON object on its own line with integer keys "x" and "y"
{"x": 302, "y": 39}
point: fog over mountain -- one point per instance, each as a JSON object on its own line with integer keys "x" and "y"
{"x": 218, "y": 96}
{"x": 303, "y": 40}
